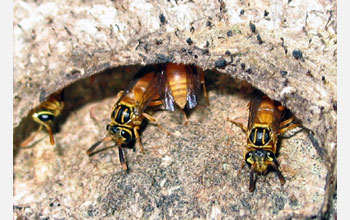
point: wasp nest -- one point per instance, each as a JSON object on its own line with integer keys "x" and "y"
{"x": 91, "y": 50}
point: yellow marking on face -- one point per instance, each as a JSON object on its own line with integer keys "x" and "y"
{"x": 269, "y": 158}
{"x": 250, "y": 160}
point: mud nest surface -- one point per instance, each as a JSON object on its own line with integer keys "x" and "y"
{"x": 286, "y": 49}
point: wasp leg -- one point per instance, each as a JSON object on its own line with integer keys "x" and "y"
{"x": 283, "y": 123}
{"x": 238, "y": 124}
{"x": 251, "y": 180}
{"x": 153, "y": 120}
{"x": 92, "y": 148}
{"x": 26, "y": 142}
{"x": 241, "y": 168}
{"x": 155, "y": 103}
{"x": 279, "y": 174}
{"x": 52, "y": 140}
{"x": 121, "y": 159}
{"x": 185, "y": 115}
{"x": 138, "y": 139}
{"x": 281, "y": 131}
{"x": 281, "y": 108}
{"x": 202, "y": 79}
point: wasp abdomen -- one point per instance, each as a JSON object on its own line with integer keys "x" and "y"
{"x": 259, "y": 136}
{"x": 179, "y": 90}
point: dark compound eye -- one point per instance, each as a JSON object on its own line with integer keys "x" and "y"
{"x": 107, "y": 127}
{"x": 114, "y": 129}
{"x": 125, "y": 135}
{"x": 46, "y": 117}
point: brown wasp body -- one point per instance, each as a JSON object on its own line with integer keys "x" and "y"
{"x": 264, "y": 126}
{"x": 168, "y": 84}
{"x": 179, "y": 85}
{"x": 45, "y": 114}
{"x": 128, "y": 112}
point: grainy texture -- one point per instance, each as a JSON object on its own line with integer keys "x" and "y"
{"x": 285, "y": 48}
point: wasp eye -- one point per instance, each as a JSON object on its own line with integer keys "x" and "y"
{"x": 46, "y": 117}
{"x": 113, "y": 129}
{"x": 107, "y": 127}
{"x": 126, "y": 135}
{"x": 122, "y": 133}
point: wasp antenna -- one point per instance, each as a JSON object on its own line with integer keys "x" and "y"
{"x": 26, "y": 142}
{"x": 92, "y": 148}
{"x": 279, "y": 174}
{"x": 251, "y": 180}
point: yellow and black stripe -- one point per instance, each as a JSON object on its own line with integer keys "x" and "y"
{"x": 260, "y": 136}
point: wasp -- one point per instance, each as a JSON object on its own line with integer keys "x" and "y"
{"x": 128, "y": 112}
{"x": 179, "y": 85}
{"x": 45, "y": 115}
{"x": 265, "y": 125}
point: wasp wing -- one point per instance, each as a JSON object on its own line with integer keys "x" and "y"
{"x": 164, "y": 88}
{"x": 193, "y": 86}
{"x": 141, "y": 73}
{"x": 253, "y": 107}
{"x": 143, "y": 96}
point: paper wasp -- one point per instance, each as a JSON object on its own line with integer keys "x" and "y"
{"x": 179, "y": 85}
{"x": 265, "y": 124}
{"x": 128, "y": 112}
{"x": 45, "y": 114}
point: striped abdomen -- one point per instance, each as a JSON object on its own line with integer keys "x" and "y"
{"x": 177, "y": 78}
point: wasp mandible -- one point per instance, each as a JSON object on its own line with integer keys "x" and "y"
{"x": 128, "y": 112}
{"x": 265, "y": 125}
{"x": 45, "y": 114}
{"x": 179, "y": 85}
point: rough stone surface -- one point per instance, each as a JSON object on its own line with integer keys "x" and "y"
{"x": 287, "y": 49}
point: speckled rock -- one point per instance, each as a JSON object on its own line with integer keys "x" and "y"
{"x": 286, "y": 49}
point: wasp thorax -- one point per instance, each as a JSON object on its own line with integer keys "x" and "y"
{"x": 121, "y": 114}
{"x": 260, "y": 136}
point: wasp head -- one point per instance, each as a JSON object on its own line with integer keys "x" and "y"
{"x": 121, "y": 135}
{"x": 260, "y": 160}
